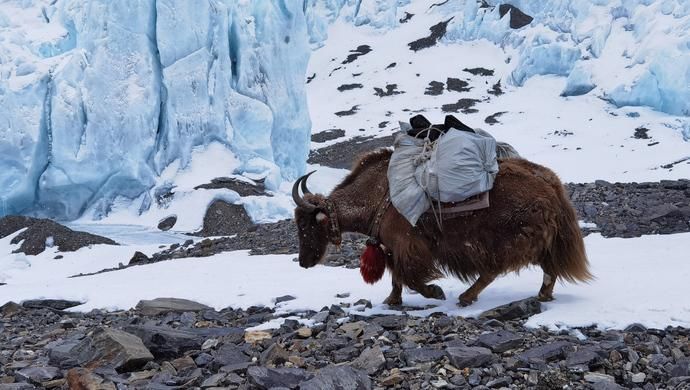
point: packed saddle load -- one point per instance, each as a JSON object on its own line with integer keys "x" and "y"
{"x": 442, "y": 168}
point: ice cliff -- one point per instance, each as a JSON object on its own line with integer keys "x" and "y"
{"x": 98, "y": 97}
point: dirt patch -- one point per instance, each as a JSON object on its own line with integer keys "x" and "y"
{"x": 435, "y": 88}
{"x": 437, "y": 32}
{"x": 479, "y": 71}
{"x": 242, "y": 188}
{"x": 348, "y": 87}
{"x": 493, "y": 119}
{"x": 496, "y": 90}
{"x": 356, "y": 53}
{"x": 327, "y": 135}
{"x": 343, "y": 154}
{"x": 41, "y": 233}
{"x": 351, "y": 111}
{"x": 457, "y": 85}
{"x": 463, "y": 105}
{"x": 391, "y": 89}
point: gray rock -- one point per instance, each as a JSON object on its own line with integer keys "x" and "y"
{"x": 606, "y": 385}
{"x": 159, "y": 306}
{"x": 582, "y": 356}
{"x": 514, "y": 310}
{"x": 213, "y": 381}
{"x": 167, "y": 223}
{"x": 55, "y": 304}
{"x": 9, "y": 309}
{"x": 266, "y": 378}
{"x": 636, "y": 328}
{"x": 595, "y": 377}
{"x": 284, "y": 298}
{"x": 545, "y": 353}
{"x": 682, "y": 368}
{"x": 391, "y": 322}
{"x": 274, "y": 355}
{"x": 500, "y": 341}
{"x": 462, "y": 357}
{"x": 16, "y": 386}
{"x": 165, "y": 342}
{"x": 321, "y": 316}
{"x": 371, "y": 360}
{"x": 338, "y": 378}
{"x": 38, "y": 375}
{"x": 422, "y": 355}
{"x": 228, "y": 354}
{"x": 61, "y": 353}
{"x": 111, "y": 348}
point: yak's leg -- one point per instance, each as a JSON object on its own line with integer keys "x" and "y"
{"x": 546, "y": 290}
{"x": 471, "y": 294}
{"x": 430, "y": 291}
{"x": 395, "y": 297}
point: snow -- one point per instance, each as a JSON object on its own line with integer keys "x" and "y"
{"x": 98, "y": 99}
{"x": 637, "y": 280}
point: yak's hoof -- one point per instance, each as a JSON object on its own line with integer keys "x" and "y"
{"x": 436, "y": 292}
{"x": 545, "y": 298}
{"x": 393, "y": 300}
{"x": 466, "y": 301}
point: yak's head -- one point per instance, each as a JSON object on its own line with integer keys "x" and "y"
{"x": 313, "y": 223}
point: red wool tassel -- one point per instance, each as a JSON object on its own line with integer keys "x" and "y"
{"x": 372, "y": 262}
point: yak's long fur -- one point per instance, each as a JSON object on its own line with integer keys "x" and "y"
{"x": 530, "y": 221}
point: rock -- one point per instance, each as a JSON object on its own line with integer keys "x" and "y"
{"x": 682, "y": 368}
{"x": 595, "y": 377}
{"x": 274, "y": 355}
{"x": 84, "y": 379}
{"x": 321, "y": 316}
{"x": 417, "y": 356}
{"x": 499, "y": 382}
{"x": 518, "y": 19}
{"x": 545, "y": 353}
{"x": 500, "y": 341}
{"x": 267, "y": 378}
{"x": 16, "y": 386}
{"x": 284, "y": 298}
{"x": 38, "y": 375}
{"x": 112, "y": 348}
{"x": 225, "y": 219}
{"x": 213, "y": 381}
{"x": 209, "y": 344}
{"x": 514, "y": 310}
{"x": 606, "y": 385}
{"x": 165, "y": 342}
{"x": 228, "y": 354}
{"x": 370, "y": 360}
{"x": 636, "y": 328}
{"x": 391, "y": 322}
{"x": 304, "y": 332}
{"x": 393, "y": 379}
{"x": 9, "y": 309}
{"x": 638, "y": 378}
{"x": 257, "y": 336}
{"x": 139, "y": 258}
{"x": 582, "y": 356}
{"x": 183, "y": 364}
{"x": 167, "y": 223}
{"x": 337, "y": 378}
{"x": 463, "y": 357}
{"x": 61, "y": 353}
{"x": 55, "y": 304}
{"x": 38, "y": 231}
{"x": 160, "y": 306}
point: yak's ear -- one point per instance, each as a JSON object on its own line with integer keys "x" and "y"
{"x": 321, "y": 217}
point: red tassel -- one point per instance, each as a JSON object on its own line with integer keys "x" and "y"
{"x": 372, "y": 263}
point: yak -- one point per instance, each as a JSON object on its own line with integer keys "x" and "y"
{"x": 530, "y": 222}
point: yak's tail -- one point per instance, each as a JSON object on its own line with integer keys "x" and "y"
{"x": 567, "y": 258}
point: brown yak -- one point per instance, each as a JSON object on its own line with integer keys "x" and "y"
{"x": 530, "y": 221}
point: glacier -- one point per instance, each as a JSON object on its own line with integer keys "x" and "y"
{"x": 98, "y": 97}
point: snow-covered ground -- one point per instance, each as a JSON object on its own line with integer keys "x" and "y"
{"x": 582, "y": 138}
{"x": 637, "y": 280}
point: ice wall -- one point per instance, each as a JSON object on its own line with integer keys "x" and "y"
{"x": 98, "y": 97}
{"x": 630, "y": 52}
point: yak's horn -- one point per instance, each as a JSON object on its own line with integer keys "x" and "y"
{"x": 303, "y": 183}
{"x": 299, "y": 201}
